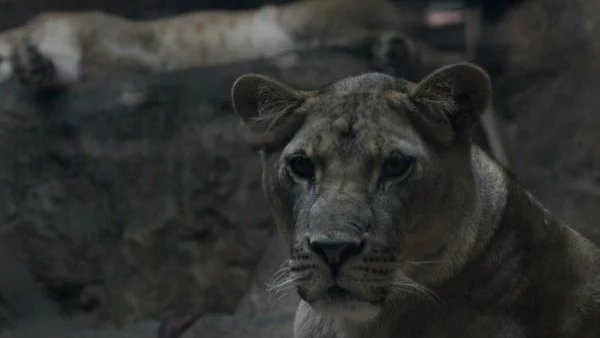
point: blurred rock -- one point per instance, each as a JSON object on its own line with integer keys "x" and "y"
{"x": 267, "y": 325}
{"x": 139, "y": 198}
{"x": 549, "y": 96}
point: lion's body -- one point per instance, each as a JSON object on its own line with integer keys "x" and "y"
{"x": 88, "y": 45}
{"x": 399, "y": 226}
{"x": 103, "y": 40}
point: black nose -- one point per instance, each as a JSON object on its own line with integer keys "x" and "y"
{"x": 335, "y": 252}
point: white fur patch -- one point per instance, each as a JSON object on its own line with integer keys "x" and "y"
{"x": 492, "y": 181}
{"x": 308, "y": 324}
{"x": 6, "y": 67}
{"x": 267, "y": 36}
{"x": 57, "y": 40}
{"x": 492, "y": 187}
{"x": 6, "y": 70}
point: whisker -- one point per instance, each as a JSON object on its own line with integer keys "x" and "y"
{"x": 416, "y": 289}
{"x": 423, "y": 264}
{"x": 281, "y": 283}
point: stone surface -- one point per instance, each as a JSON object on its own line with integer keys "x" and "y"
{"x": 548, "y": 94}
{"x": 139, "y": 198}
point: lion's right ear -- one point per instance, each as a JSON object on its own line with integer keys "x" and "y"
{"x": 455, "y": 95}
{"x": 268, "y": 108}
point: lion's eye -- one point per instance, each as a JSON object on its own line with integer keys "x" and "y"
{"x": 397, "y": 166}
{"x": 302, "y": 167}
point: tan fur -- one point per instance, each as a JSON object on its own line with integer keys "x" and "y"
{"x": 87, "y": 45}
{"x": 444, "y": 244}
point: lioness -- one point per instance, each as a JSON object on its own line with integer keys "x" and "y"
{"x": 399, "y": 226}
{"x": 59, "y": 48}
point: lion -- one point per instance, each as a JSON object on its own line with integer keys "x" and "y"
{"x": 397, "y": 225}
{"x": 56, "y": 49}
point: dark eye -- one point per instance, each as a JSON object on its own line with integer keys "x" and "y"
{"x": 397, "y": 166}
{"x": 302, "y": 166}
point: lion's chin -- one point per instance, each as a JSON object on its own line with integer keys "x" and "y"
{"x": 337, "y": 302}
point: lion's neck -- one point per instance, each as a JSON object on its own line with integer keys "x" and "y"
{"x": 491, "y": 188}
{"x": 515, "y": 235}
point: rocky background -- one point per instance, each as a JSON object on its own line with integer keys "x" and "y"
{"x": 136, "y": 199}
{"x": 548, "y": 93}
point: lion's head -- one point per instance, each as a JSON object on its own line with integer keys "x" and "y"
{"x": 370, "y": 181}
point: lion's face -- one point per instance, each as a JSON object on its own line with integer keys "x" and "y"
{"x": 368, "y": 181}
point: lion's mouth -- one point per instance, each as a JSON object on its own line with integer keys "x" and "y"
{"x": 339, "y": 301}
{"x": 339, "y": 294}
{"x": 335, "y": 294}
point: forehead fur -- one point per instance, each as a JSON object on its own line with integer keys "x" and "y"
{"x": 366, "y": 83}
{"x": 353, "y": 116}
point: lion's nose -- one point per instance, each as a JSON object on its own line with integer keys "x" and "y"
{"x": 335, "y": 252}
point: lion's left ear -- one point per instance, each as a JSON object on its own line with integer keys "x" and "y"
{"x": 268, "y": 108}
{"x": 457, "y": 95}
